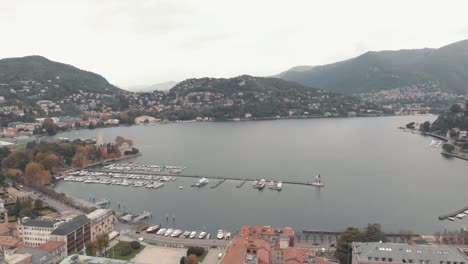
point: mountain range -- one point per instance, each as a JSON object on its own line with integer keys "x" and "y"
{"x": 444, "y": 69}
{"x": 164, "y": 86}
{"x": 53, "y": 78}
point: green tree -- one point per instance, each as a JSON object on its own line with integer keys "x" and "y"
{"x": 102, "y": 242}
{"x": 448, "y": 147}
{"x": 4, "y": 152}
{"x": 91, "y": 249}
{"x": 192, "y": 259}
{"x": 135, "y": 244}
{"x": 410, "y": 125}
{"x": 183, "y": 260}
{"x": 425, "y": 127}
{"x": 125, "y": 249}
{"x": 373, "y": 233}
{"x": 38, "y": 204}
{"x": 343, "y": 246}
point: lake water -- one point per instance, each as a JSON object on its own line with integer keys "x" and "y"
{"x": 373, "y": 172}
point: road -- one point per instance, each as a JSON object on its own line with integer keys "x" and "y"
{"x": 212, "y": 256}
{"x": 60, "y": 207}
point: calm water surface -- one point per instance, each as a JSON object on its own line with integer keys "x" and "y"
{"x": 373, "y": 171}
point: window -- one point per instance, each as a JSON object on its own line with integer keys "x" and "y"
{"x": 410, "y": 260}
{"x": 404, "y": 260}
{"x": 384, "y": 259}
{"x": 390, "y": 260}
{"x": 369, "y": 258}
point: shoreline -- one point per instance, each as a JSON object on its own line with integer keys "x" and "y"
{"x": 24, "y": 139}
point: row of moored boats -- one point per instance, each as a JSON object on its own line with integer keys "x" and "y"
{"x": 459, "y": 216}
{"x": 145, "y": 168}
{"x": 273, "y": 185}
{"x": 169, "y": 232}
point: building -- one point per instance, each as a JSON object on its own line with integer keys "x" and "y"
{"x": 51, "y": 252}
{"x": 378, "y": 253}
{"x": 16, "y": 195}
{"x": 36, "y": 232}
{"x": 267, "y": 245}
{"x": 146, "y": 119}
{"x": 102, "y": 222}
{"x": 76, "y": 233}
{"x": 7, "y": 242}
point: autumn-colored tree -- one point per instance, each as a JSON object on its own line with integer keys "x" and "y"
{"x": 51, "y": 162}
{"x": 120, "y": 140}
{"x": 192, "y": 259}
{"x": 16, "y": 160}
{"x": 102, "y": 242}
{"x": 91, "y": 248}
{"x": 36, "y": 174}
{"x": 13, "y": 173}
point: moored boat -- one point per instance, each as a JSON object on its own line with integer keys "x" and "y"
{"x": 176, "y": 233}
{"x": 220, "y": 234}
{"x": 161, "y": 231}
{"x": 202, "y": 235}
{"x": 261, "y": 184}
{"x": 193, "y": 234}
{"x": 272, "y": 185}
{"x": 168, "y": 232}
{"x": 153, "y": 229}
{"x": 279, "y": 186}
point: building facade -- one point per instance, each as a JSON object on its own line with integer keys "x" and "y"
{"x": 102, "y": 222}
{"x": 75, "y": 233}
{"x": 379, "y": 253}
{"x": 35, "y": 232}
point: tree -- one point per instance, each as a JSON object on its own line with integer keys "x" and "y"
{"x": 36, "y": 173}
{"x": 4, "y": 152}
{"x": 198, "y": 251}
{"x": 16, "y": 160}
{"x": 51, "y": 162}
{"x": 425, "y": 127}
{"x": 102, "y": 242}
{"x": 91, "y": 249}
{"x": 410, "y": 125}
{"x": 13, "y": 174}
{"x": 456, "y": 108}
{"x": 448, "y": 148}
{"x": 343, "y": 247}
{"x": 192, "y": 259}
{"x": 38, "y": 204}
{"x": 373, "y": 233}
{"x": 125, "y": 249}
{"x": 183, "y": 260}
{"x": 135, "y": 244}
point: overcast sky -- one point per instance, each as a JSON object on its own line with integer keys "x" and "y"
{"x": 132, "y": 42}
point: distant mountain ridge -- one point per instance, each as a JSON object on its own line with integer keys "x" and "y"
{"x": 15, "y": 71}
{"x": 164, "y": 86}
{"x": 445, "y": 68}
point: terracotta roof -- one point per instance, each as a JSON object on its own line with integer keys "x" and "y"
{"x": 9, "y": 241}
{"x": 6, "y": 228}
{"x": 51, "y": 246}
{"x": 296, "y": 255}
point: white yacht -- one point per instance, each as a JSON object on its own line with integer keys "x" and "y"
{"x": 279, "y": 185}
{"x": 271, "y": 185}
{"x": 220, "y": 234}
{"x": 168, "y": 232}
{"x": 202, "y": 235}
{"x": 161, "y": 231}
{"x": 193, "y": 234}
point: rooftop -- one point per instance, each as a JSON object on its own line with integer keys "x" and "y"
{"x": 38, "y": 256}
{"x": 39, "y": 223}
{"x": 298, "y": 255}
{"x": 71, "y": 225}
{"x": 17, "y": 193}
{"x": 97, "y": 213}
{"x": 9, "y": 241}
{"x": 408, "y": 253}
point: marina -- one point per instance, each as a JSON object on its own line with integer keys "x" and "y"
{"x": 151, "y": 176}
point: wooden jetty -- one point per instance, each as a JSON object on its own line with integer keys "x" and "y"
{"x": 217, "y": 184}
{"x": 142, "y": 216}
{"x": 242, "y": 183}
{"x": 445, "y": 216}
{"x": 103, "y": 202}
{"x": 197, "y": 176}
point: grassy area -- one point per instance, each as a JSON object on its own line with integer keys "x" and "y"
{"x": 46, "y": 211}
{"x": 202, "y": 257}
{"x": 114, "y": 252}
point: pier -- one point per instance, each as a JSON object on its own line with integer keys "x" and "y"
{"x": 142, "y": 216}
{"x": 197, "y": 176}
{"x": 453, "y": 214}
{"x": 217, "y": 184}
{"x": 104, "y": 202}
{"x": 331, "y": 236}
{"x": 242, "y": 183}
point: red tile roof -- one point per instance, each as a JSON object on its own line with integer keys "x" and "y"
{"x": 51, "y": 246}
{"x": 294, "y": 255}
{"x": 9, "y": 241}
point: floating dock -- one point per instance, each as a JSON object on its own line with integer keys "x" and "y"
{"x": 103, "y": 202}
{"x": 242, "y": 183}
{"x": 445, "y": 216}
{"x": 217, "y": 184}
{"x": 142, "y": 216}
